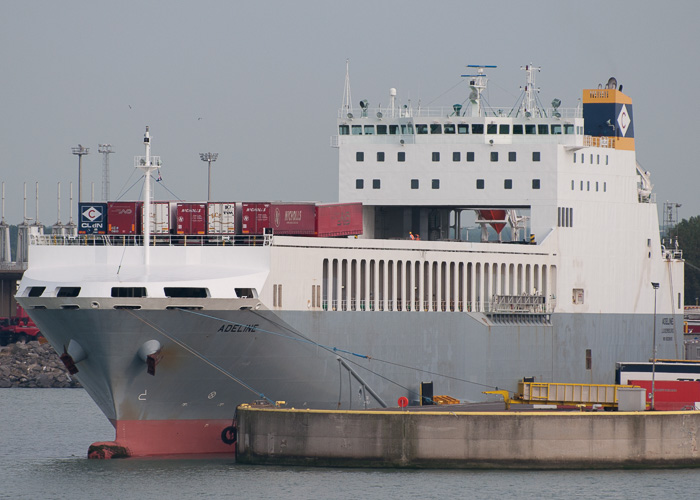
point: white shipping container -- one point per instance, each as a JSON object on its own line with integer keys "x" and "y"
{"x": 161, "y": 213}
{"x": 221, "y": 218}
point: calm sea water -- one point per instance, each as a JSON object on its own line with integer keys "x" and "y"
{"x": 45, "y": 434}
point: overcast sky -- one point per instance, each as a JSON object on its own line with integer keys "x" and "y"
{"x": 261, "y": 82}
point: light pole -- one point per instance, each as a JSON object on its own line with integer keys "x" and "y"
{"x": 209, "y": 157}
{"x": 653, "y": 360}
{"x": 80, "y": 151}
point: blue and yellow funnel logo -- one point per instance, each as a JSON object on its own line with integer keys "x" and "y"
{"x": 607, "y": 114}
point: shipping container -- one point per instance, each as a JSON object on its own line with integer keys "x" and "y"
{"x": 293, "y": 218}
{"x": 672, "y": 395}
{"x": 255, "y": 217}
{"x": 221, "y": 218}
{"x": 191, "y": 218}
{"x": 338, "y": 219}
{"x": 93, "y": 218}
{"x": 162, "y": 213}
{"x": 124, "y": 217}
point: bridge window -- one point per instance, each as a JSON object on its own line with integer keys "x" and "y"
{"x": 463, "y": 128}
{"x": 357, "y": 130}
{"x": 369, "y": 129}
{"x": 393, "y": 129}
{"x": 542, "y": 129}
{"x": 421, "y": 128}
{"x": 517, "y": 130}
{"x": 407, "y": 128}
{"x": 343, "y": 130}
{"x": 491, "y": 128}
{"x": 478, "y": 128}
{"x": 449, "y": 128}
{"x": 435, "y": 128}
{"x": 381, "y": 129}
{"x": 568, "y": 128}
{"x": 504, "y": 129}
{"x": 530, "y": 129}
{"x": 556, "y": 129}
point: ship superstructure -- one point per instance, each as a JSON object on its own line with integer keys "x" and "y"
{"x": 169, "y": 338}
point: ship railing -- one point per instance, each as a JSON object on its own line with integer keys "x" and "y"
{"x": 448, "y": 112}
{"x": 598, "y": 142}
{"x": 155, "y": 240}
{"x": 518, "y": 304}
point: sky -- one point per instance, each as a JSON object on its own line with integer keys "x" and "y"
{"x": 261, "y": 82}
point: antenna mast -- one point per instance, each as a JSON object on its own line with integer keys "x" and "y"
{"x": 529, "y": 104}
{"x": 477, "y": 83}
{"x": 148, "y": 164}
{"x": 106, "y": 150}
{"x": 346, "y": 107}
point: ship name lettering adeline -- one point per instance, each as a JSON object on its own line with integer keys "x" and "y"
{"x": 229, "y": 327}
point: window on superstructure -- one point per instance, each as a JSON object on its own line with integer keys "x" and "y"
{"x": 401, "y": 156}
{"x": 535, "y": 183}
{"x": 491, "y": 129}
{"x": 456, "y": 156}
{"x": 359, "y": 183}
{"x": 477, "y": 128}
{"x": 35, "y": 291}
{"x": 511, "y": 155}
{"x": 381, "y": 129}
{"x": 463, "y": 128}
{"x": 449, "y": 128}
{"x": 393, "y": 129}
{"x": 359, "y": 156}
{"x": 568, "y": 128}
{"x": 530, "y": 129}
{"x": 185, "y": 292}
{"x": 581, "y": 185}
{"x": 436, "y": 184}
{"x": 369, "y": 129}
{"x": 504, "y": 129}
{"x": 588, "y": 185}
{"x": 606, "y": 159}
{"x": 591, "y": 159}
{"x": 414, "y": 183}
{"x": 246, "y": 293}
{"x": 542, "y": 129}
{"x": 344, "y": 129}
{"x": 421, "y": 128}
{"x": 436, "y": 128}
{"x": 357, "y": 130}
{"x": 128, "y": 291}
{"x": 508, "y": 184}
{"x": 597, "y": 160}
{"x": 68, "y": 291}
{"x": 494, "y": 155}
{"x": 556, "y": 129}
{"x": 517, "y": 130}
{"x": 572, "y": 184}
{"x": 574, "y": 157}
{"x": 480, "y": 184}
{"x": 380, "y": 156}
{"x": 470, "y": 155}
{"x": 596, "y": 186}
{"x": 376, "y": 184}
{"x": 535, "y": 156}
{"x": 605, "y": 187}
{"x": 436, "y": 156}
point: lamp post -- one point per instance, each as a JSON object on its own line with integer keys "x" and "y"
{"x": 655, "y": 286}
{"x": 80, "y": 151}
{"x": 209, "y": 157}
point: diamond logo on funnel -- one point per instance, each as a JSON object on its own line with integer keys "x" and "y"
{"x": 92, "y": 213}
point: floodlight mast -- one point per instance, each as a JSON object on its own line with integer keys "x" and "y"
{"x": 209, "y": 157}
{"x": 106, "y": 150}
{"x": 80, "y": 151}
{"x": 655, "y": 286}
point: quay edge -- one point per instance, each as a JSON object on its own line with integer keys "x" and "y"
{"x": 454, "y": 439}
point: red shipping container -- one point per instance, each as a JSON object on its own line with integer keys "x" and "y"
{"x": 191, "y": 218}
{"x": 338, "y": 219}
{"x": 293, "y": 219}
{"x": 124, "y": 217}
{"x": 671, "y": 395}
{"x": 255, "y": 217}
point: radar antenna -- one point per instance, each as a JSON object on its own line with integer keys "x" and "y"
{"x": 477, "y": 84}
{"x": 529, "y": 102}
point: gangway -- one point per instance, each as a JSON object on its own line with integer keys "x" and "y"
{"x": 530, "y": 392}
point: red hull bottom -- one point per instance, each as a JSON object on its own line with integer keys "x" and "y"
{"x": 144, "y": 438}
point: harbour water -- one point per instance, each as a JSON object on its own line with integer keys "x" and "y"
{"x": 45, "y": 433}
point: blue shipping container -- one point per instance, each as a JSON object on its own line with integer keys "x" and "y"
{"x": 93, "y": 218}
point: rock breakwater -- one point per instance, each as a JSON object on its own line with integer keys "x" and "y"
{"x": 33, "y": 365}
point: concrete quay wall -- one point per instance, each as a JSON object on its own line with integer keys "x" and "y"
{"x": 446, "y": 439}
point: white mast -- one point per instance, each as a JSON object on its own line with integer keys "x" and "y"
{"x": 145, "y": 163}
{"x": 346, "y": 107}
{"x": 477, "y": 83}
{"x": 529, "y": 104}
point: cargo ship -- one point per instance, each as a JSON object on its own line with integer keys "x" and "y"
{"x": 494, "y": 243}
